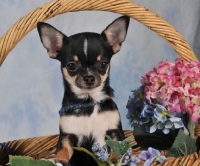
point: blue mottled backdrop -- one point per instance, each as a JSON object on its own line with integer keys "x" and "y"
{"x": 31, "y": 86}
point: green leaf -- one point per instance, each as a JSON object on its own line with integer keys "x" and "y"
{"x": 100, "y": 163}
{"x": 28, "y": 161}
{"x": 117, "y": 146}
{"x": 183, "y": 145}
{"x": 108, "y": 137}
{"x": 157, "y": 140}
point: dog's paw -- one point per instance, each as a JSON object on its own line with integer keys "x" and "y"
{"x": 63, "y": 157}
{"x": 113, "y": 158}
{"x": 61, "y": 162}
{"x": 58, "y": 164}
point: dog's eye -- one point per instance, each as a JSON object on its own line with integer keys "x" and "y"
{"x": 103, "y": 65}
{"x": 72, "y": 66}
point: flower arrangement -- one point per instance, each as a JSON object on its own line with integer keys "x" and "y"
{"x": 152, "y": 116}
{"x": 127, "y": 158}
{"x": 168, "y": 100}
{"x": 176, "y": 85}
{"x": 123, "y": 152}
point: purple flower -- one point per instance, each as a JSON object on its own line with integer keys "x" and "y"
{"x": 103, "y": 153}
{"x": 100, "y": 152}
{"x": 134, "y": 161}
{"x": 161, "y": 113}
{"x": 151, "y": 155}
{"x": 139, "y": 111}
{"x": 96, "y": 147}
{"x": 129, "y": 152}
{"x": 147, "y": 110}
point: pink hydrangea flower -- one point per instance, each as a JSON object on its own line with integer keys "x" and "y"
{"x": 176, "y": 85}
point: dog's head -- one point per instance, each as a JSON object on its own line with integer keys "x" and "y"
{"x": 85, "y": 57}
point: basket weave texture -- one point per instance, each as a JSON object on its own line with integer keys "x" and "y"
{"x": 42, "y": 147}
{"x": 45, "y": 147}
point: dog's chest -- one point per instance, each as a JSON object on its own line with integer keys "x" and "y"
{"x": 96, "y": 124}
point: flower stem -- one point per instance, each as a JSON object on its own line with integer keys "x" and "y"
{"x": 191, "y": 127}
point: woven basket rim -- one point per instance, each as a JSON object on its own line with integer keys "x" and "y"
{"x": 125, "y": 7}
{"x": 44, "y": 147}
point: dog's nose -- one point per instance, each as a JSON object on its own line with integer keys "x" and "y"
{"x": 89, "y": 79}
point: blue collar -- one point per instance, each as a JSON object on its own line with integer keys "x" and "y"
{"x": 79, "y": 106}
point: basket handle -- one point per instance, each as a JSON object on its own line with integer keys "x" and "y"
{"x": 125, "y": 7}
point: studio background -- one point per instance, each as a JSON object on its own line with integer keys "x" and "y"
{"x": 31, "y": 87}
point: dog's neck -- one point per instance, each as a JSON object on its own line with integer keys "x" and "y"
{"x": 84, "y": 96}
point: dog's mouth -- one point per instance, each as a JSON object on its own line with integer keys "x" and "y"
{"x": 87, "y": 86}
{"x": 91, "y": 86}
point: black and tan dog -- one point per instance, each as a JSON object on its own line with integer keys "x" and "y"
{"x": 88, "y": 113}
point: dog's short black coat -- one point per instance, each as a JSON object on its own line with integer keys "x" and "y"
{"x": 85, "y": 65}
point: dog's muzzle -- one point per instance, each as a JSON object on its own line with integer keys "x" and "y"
{"x": 89, "y": 79}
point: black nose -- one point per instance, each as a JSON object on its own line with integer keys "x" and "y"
{"x": 89, "y": 79}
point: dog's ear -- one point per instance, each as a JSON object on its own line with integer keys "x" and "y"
{"x": 115, "y": 33}
{"x": 51, "y": 38}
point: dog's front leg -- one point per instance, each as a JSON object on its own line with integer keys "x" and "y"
{"x": 64, "y": 150}
{"x": 116, "y": 135}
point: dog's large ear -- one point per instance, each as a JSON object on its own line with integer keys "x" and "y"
{"x": 51, "y": 38}
{"x": 115, "y": 33}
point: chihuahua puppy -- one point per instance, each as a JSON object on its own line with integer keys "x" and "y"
{"x": 88, "y": 112}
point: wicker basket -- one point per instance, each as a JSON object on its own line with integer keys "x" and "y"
{"x": 44, "y": 147}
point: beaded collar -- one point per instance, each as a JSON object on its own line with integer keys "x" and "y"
{"x": 79, "y": 106}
